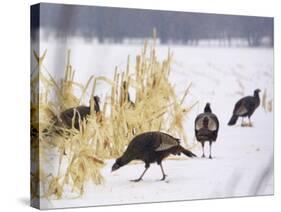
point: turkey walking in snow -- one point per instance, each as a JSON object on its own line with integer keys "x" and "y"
{"x": 206, "y": 128}
{"x": 151, "y": 147}
{"x": 245, "y": 107}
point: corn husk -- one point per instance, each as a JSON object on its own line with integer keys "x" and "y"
{"x": 81, "y": 154}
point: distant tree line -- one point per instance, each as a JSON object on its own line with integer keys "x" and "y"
{"x": 117, "y": 24}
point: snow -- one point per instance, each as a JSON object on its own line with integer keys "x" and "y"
{"x": 242, "y": 163}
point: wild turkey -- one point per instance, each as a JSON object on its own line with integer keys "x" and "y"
{"x": 127, "y": 97}
{"x": 245, "y": 107}
{"x": 206, "y": 128}
{"x": 151, "y": 147}
{"x": 128, "y": 103}
{"x": 80, "y": 113}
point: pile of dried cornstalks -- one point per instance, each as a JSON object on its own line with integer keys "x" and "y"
{"x": 78, "y": 156}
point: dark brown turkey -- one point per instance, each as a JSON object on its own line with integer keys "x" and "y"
{"x": 151, "y": 147}
{"x": 245, "y": 107}
{"x": 79, "y": 113}
{"x": 206, "y": 128}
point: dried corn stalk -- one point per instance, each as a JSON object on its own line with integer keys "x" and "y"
{"x": 81, "y": 154}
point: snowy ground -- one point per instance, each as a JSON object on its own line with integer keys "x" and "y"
{"x": 243, "y": 157}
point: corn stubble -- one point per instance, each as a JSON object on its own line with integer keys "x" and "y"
{"x": 79, "y": 155}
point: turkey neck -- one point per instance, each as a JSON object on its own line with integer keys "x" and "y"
{"x": 97, "y": 106}
{"x": 125, "y": 159}
{"x": 257, "y": 97}
{"x": 207, "y": 109}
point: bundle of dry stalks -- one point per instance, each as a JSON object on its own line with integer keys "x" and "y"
{"x": 80, "y": 154}
{"x": 266, "y": 102}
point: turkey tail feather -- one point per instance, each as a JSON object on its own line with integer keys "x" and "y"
{"x": 187, "y": 152}
{"x": 233, "y": 120}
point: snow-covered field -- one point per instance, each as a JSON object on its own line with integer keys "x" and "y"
{"x": 242, "y": 163}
